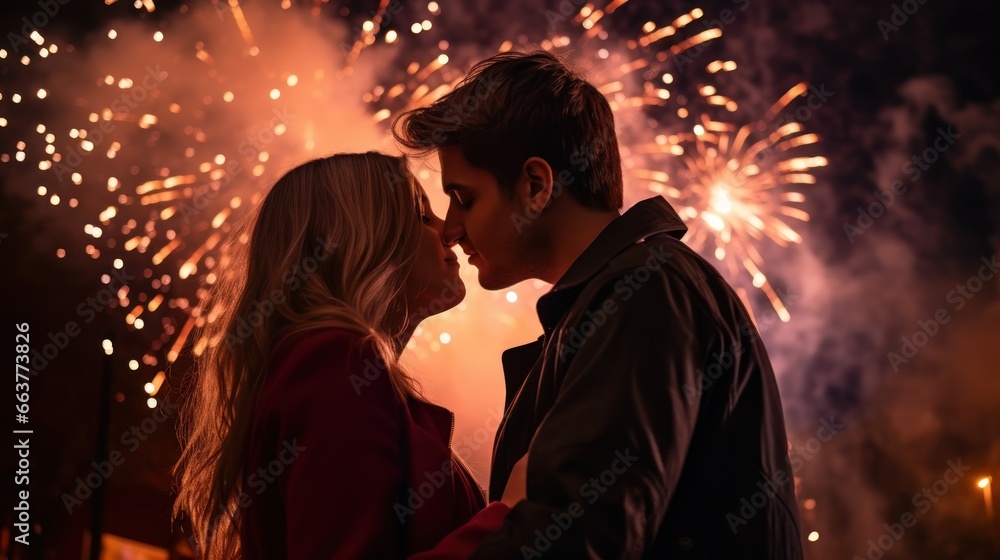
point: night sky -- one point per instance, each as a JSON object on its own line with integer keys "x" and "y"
{"x": 894, "y": 311}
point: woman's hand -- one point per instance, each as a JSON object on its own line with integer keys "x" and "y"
{"x": 516, "y": 489}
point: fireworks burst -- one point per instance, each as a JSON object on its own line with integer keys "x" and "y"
{"x": 737, "y": 186}
{"x": 733, "y": 185}
{"x": 172, "y": 131}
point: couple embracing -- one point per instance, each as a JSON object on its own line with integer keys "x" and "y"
{"x": 614, "y": 442}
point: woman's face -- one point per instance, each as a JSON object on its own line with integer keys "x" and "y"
{"x": 433, "y": 285}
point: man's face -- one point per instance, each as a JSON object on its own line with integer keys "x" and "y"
{"x": 480, "y": 220}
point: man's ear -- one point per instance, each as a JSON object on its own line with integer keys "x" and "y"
{"x": 536, "y": 182}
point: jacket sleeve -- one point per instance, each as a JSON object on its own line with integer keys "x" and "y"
{"x": 340, "y": 488}
{"x": 605, "y": 461}
{"x": 461, "y": 542}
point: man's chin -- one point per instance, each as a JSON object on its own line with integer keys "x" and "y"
{"x": 492, "y": 282}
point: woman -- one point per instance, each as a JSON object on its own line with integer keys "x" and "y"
{"x": 303, "y": 435}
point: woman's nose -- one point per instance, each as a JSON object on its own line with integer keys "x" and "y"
{"x": 452, "y": 231}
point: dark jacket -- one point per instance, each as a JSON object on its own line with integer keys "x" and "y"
{"x": 649, "y": 412}
{"x": 339, "y": 466}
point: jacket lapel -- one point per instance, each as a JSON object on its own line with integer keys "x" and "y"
{"x": 517, "y": 364}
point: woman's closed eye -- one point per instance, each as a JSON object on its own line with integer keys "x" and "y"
{"x": 423, "y": 207}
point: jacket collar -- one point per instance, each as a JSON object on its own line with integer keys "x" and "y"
{"x": 645, "y": 219}
{"x": 442, "y": 420}
{"x": 517, "y": 363}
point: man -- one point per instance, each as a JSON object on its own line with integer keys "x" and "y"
{"x": 648, "y": 408}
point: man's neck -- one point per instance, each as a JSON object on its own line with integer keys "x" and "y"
{"x": 577, "y": 230}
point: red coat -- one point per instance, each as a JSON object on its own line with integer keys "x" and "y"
{"x": 339, "y": 467}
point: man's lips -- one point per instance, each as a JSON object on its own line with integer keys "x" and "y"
{"x": 471, "y": 254}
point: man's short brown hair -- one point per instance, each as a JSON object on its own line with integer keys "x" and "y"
{"x": 516, "y": 105}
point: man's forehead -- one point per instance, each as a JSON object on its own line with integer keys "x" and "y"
{"x": 453, "y": 167}
{"x": 450, "y": 155}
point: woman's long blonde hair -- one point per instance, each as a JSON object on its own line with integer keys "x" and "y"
{"x": 335, "y": 237}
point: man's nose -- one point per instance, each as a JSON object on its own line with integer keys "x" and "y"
{"x": 453, "y": 230}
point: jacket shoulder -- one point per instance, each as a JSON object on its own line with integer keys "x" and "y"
{"x": 664, "y": 263}
{"x": 324, "y": 341}
{"x": 337, "y": 363}
{"x": 662, "y": 253}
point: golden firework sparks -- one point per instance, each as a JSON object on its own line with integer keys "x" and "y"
{"x": 166, "y": 183}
